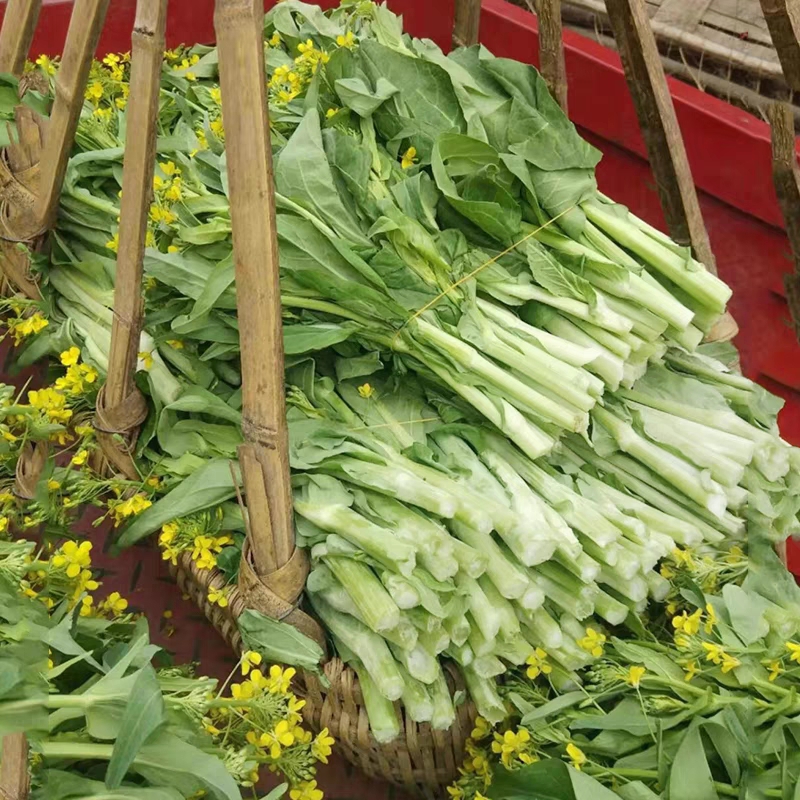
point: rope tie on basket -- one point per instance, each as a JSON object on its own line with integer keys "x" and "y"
{"x": 488, "y": 263}
{"x": 278, "y": 594}
{"x": 116, "y": 428}
{"x": 29, "y": 467}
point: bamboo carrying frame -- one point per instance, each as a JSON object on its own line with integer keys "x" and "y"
{"x": 273, "y": 570}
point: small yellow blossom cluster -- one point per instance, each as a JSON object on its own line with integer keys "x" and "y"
{"x": 475, "y": 775}
{"x": 167, "y": 185}
{"x": 514, "y": 747}
{"x": 79, "y": 377}
{"x": 183, "y": 65}
{"x": 121, "y": 508}
{"x": 108, "y": 87}
{"x": 262, "y": 716}
{"x": 199, "y": 535}
{"x": 593, "y": 642}
{"x": 23, "y": 320}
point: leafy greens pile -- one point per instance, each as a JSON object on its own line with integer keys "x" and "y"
{"x": 501, "y": 414}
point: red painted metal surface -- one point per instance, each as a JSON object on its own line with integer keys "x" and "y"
{"x": 729, "y": 153}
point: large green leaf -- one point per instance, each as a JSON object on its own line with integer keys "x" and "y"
{"x": 279, "y": 642}
{"x": 690, "y": 777}
{"x": 144, "y": 713}
{"x": 63, "y": 785}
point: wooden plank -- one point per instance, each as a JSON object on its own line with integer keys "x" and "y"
{"x": 659, "y": 125}
{"x": 551, "y": 49}
{"x": 147, "y": 48}
{"x": 84, "y": 31}
{"x": 783, "y": 21}
{"x": 685, "y": 14}
{"x": 786, "y": 177}
{"x": 746, "y": 11}
{"x": 16, "y": 35}
{"x": 740, "y": 30}
{"x": 238, "y": 24}
{"x": 467, "y": 23}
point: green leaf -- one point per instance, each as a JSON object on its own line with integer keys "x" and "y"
{"x": 277, "y": 792}
{"x": 169, "y": 760}
{"x": 196, "y": 400}
{"x": 355, "y": 94}
{"x": 205, "y": 488}
{"x": 746, "y": 613}
{"x": 279, "y": 642}
{"x": 636, "y": 790}
{"x": 554, "y": 706}
{"x": 144, "y": 713}
{"x": 548, "y": 779}
{"x": 690, "y": 776}
{"x": 62, "y": 785}
{"x": 303, "y": 174}
{"x": 308, "y": 338}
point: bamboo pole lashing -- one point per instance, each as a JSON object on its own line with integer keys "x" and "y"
{"x": 19, "y": 24}
{"x": 120, "y": 393}
{"x": 85, "y": 26}
{"x": 659, "y": 125}
{"x": 14, "y": 772}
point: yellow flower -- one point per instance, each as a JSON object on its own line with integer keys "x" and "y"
{"x": 71, "y": 356}
{"x": 718, "y": 656}
{"x": 249, "y": 660}
{"x": 366, "y": 391}
{"x": 667, "y": 572}
{"x": 275, "y": 39}
{"x": 86, "y": 606}
{"x": 121, "y": 509}
{"x": 686, "y": 623}
{"x": 47, "y": 65}
{"x": 711, "y": 619}
{"x": 481, "y": 730}
{"x": 348, "y": 40}
{"x": 281, "y": 736}
{"x": 331, "y": 112}
{"x": 217, "y": 129}
{"x": 576, "y": 755}
{"x": 775, "y": 669}
{"x": 9, "y": 437}
{"x": 202, "y": 553}
{"x": 74, "y": 557}
{"x": 455, "y": 792}
{"x": 409, "y": 158}
{"x": 691, "y": 670}
{"x": 306, "y": 790}
{"x": 794, "y": 649}
{"x": 102, "y": 113}
{"x": 735, "y": 555}
{"x": 114, "y": 605}
{"x": 633, "y": 677}
{"x": 322, "y": 746}
{"x": 79, "y": 459}
{"x": 280, "y": 679}
{"x": 537, "y": 664}
{"x": 306, "y": 47}
{"x": 218, "y": 597}
{"x": 168, "y": 532}
{"x": 176, "y": 343}
{"x": 94, "y": 92}
{"x": 146, "y": 357}
{"x": 593, "y": 642}
{"x": 159, "y": 214}
{"x": 113, "y": 243}
{"x": 209, "y": 727}
{"x": 683, "y": 558}
{"x": 216, "y": 94}
{"x": 26, "y": 326}
{"x": 510, "y": 744}
{"x": 3, "y": 524}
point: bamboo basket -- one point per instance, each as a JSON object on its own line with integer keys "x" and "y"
{"x": 273, "y": 570}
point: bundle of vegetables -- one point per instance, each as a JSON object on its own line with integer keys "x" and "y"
{"x": 105, "y": 712}
{"x": 501, "y": 415}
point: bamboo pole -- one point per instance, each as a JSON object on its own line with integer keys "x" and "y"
{"x": 238, "y": 25}
{"x": 783, "y": 21}
{"x": 466, "y": 25}
{"x": 14, "y": 775}
{"x": 659, "y": 125}
{"x": 551, "y": 49}
{"x": 85, "y": 26}
{"x": 16, "y": 35}
{"x": 786, "y": 177}
{"x": 147, "y": 49}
